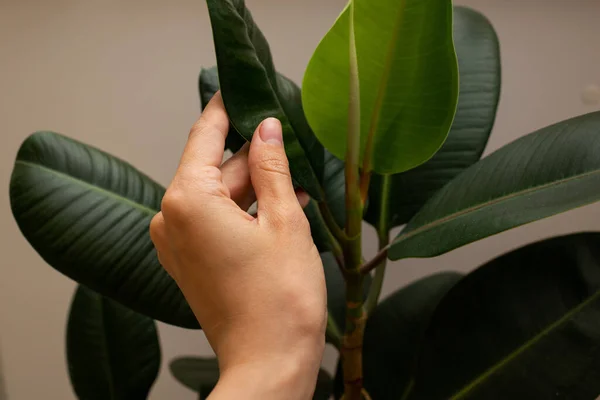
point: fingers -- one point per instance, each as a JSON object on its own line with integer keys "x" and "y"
{"x": 206, "y": 142}
{"x": 237, "y": 178}
{"x": 270, "y": 174}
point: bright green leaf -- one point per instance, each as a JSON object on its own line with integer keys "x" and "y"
{"x": 523, "y": 326}
{"x": 252, "y": 91}
{"x": 479, "y": 66}
{"x": 552, "y": 170}
{"x": 88, "y": 214}
{"x": 113, "y": 352}
{"x": 393, "y": 335}
{"x": 408, "y": 81}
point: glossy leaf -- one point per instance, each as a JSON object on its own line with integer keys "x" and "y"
{"x": 393, "y": 335}
{"x": 408, "y": 81}
{"x": 479, "y": 66}
{"x": 87, "y": 214}
{"x": 208, "y": 85}
{"x": 201, "y": 375}
{"x": 523, "y": 326}
{"x": 252, "y": 91}
{"x": 113, "y": 353}
{"x": 539, "y": 175}
{"x": 334, "y": 189}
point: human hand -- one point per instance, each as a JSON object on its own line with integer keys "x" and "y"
{"x": 255, "y": 283}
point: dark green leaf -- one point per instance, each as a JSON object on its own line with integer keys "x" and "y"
{"x": 479, "y": 66}
{"x": 252, "y": 91}
{"x": 539, "y": 175}
{"x": 87, "y": 214}
{"x": 324, "y": 387}
{"x": 334, "y": 188}
{"x": 393, "y": 335}
{"x": 208, "y": 85}
{"x": 523, "y": 326}
{"x": 196, "y": 373}
{"x": 113, "y": 352}
{"x": 408, "y": 82}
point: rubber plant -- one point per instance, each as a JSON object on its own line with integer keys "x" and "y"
{"x": 382, "y": 132}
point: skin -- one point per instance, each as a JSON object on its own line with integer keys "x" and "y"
{"x": 254, "y": 282}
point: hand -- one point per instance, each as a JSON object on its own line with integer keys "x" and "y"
{"x": 255, "y": 283}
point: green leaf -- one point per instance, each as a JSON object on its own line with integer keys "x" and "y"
{"x": 196, "y": 373}
{"x": 393, "y": 335}
{"x": 539, "y": 175}
{"x": 479, "y": 65}
{"x": 408, "y": 82}
{"x": 334, "y": 187}
{"x": 87, "y": 214}
{"x": 208, "y": 85}
{"x": 113, "y": 353}
{"x": 523, "y": 326}
{"x": 252, "y": 91}
{"x": 201, "y": 375}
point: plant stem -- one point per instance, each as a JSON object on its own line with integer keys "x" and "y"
{"x": 355, "y": 313}
{"x": 334, "y": 228}
{"x": 332, "y": 333}
{"x": 375, "y": 290}
{"x": 380, "y": 260}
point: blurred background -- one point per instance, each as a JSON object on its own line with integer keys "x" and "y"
{"x": 122, "y": 76}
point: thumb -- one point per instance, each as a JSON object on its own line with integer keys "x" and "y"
{"x": 270, "y": 173}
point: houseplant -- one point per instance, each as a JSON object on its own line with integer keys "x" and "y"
{"x": 375, "y": 134}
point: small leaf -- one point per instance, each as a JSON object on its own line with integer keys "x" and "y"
{"x": 408, "y": 77}
{"x": 196, "y": 373}
{"x": 479, "y": 66}
{"x": 393, "y": 335}
{"x": 252, "y": 91}
{"x": 539, "y": 175}
{"x": 87, "y": 214}
{"x": 208, "y": 85}
{"x": 113, "y": 352}
{"x": 523, "y": 326}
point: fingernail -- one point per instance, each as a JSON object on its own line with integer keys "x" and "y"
{"x": 270, "y": 131}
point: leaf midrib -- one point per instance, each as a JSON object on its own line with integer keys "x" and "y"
{"x": 495, "y": 201}
{"x": 499, "y": 365}
{"x": 108, "y": 193}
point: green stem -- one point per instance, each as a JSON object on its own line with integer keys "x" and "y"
{"x": 333, "y": 334}
{"x": 384, "y": 237}
{"x": 334, "y": 228}
{"x": 355, "y": 312}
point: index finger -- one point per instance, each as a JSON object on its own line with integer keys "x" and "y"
{"x": 206, "y": 141}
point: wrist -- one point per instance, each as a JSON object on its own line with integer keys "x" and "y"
{"x": 291, "y": 376}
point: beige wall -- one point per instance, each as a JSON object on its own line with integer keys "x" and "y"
{"x": 122, "y": 75}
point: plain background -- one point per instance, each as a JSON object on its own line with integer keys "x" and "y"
{"x": 121, "y": 75}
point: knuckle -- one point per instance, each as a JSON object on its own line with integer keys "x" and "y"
{"x": 173, "y": 203}
{"x": 273, "y": 164}
{"x": 156, "y": 228}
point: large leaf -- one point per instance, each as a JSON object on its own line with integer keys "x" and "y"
{"x": 87, "y": 214}
{"x": 393, "y": 335}
{"x": 113, "y": 352}
{"x": 408, "y": 81}
{"x": 479, "y": 66}
{"x": 201, "y": 375}
{"x": 208, "y": 85}
{"x": 523, "y": 326}
{"x": 539, "y": 175}
{"x": 252, "y": 91}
